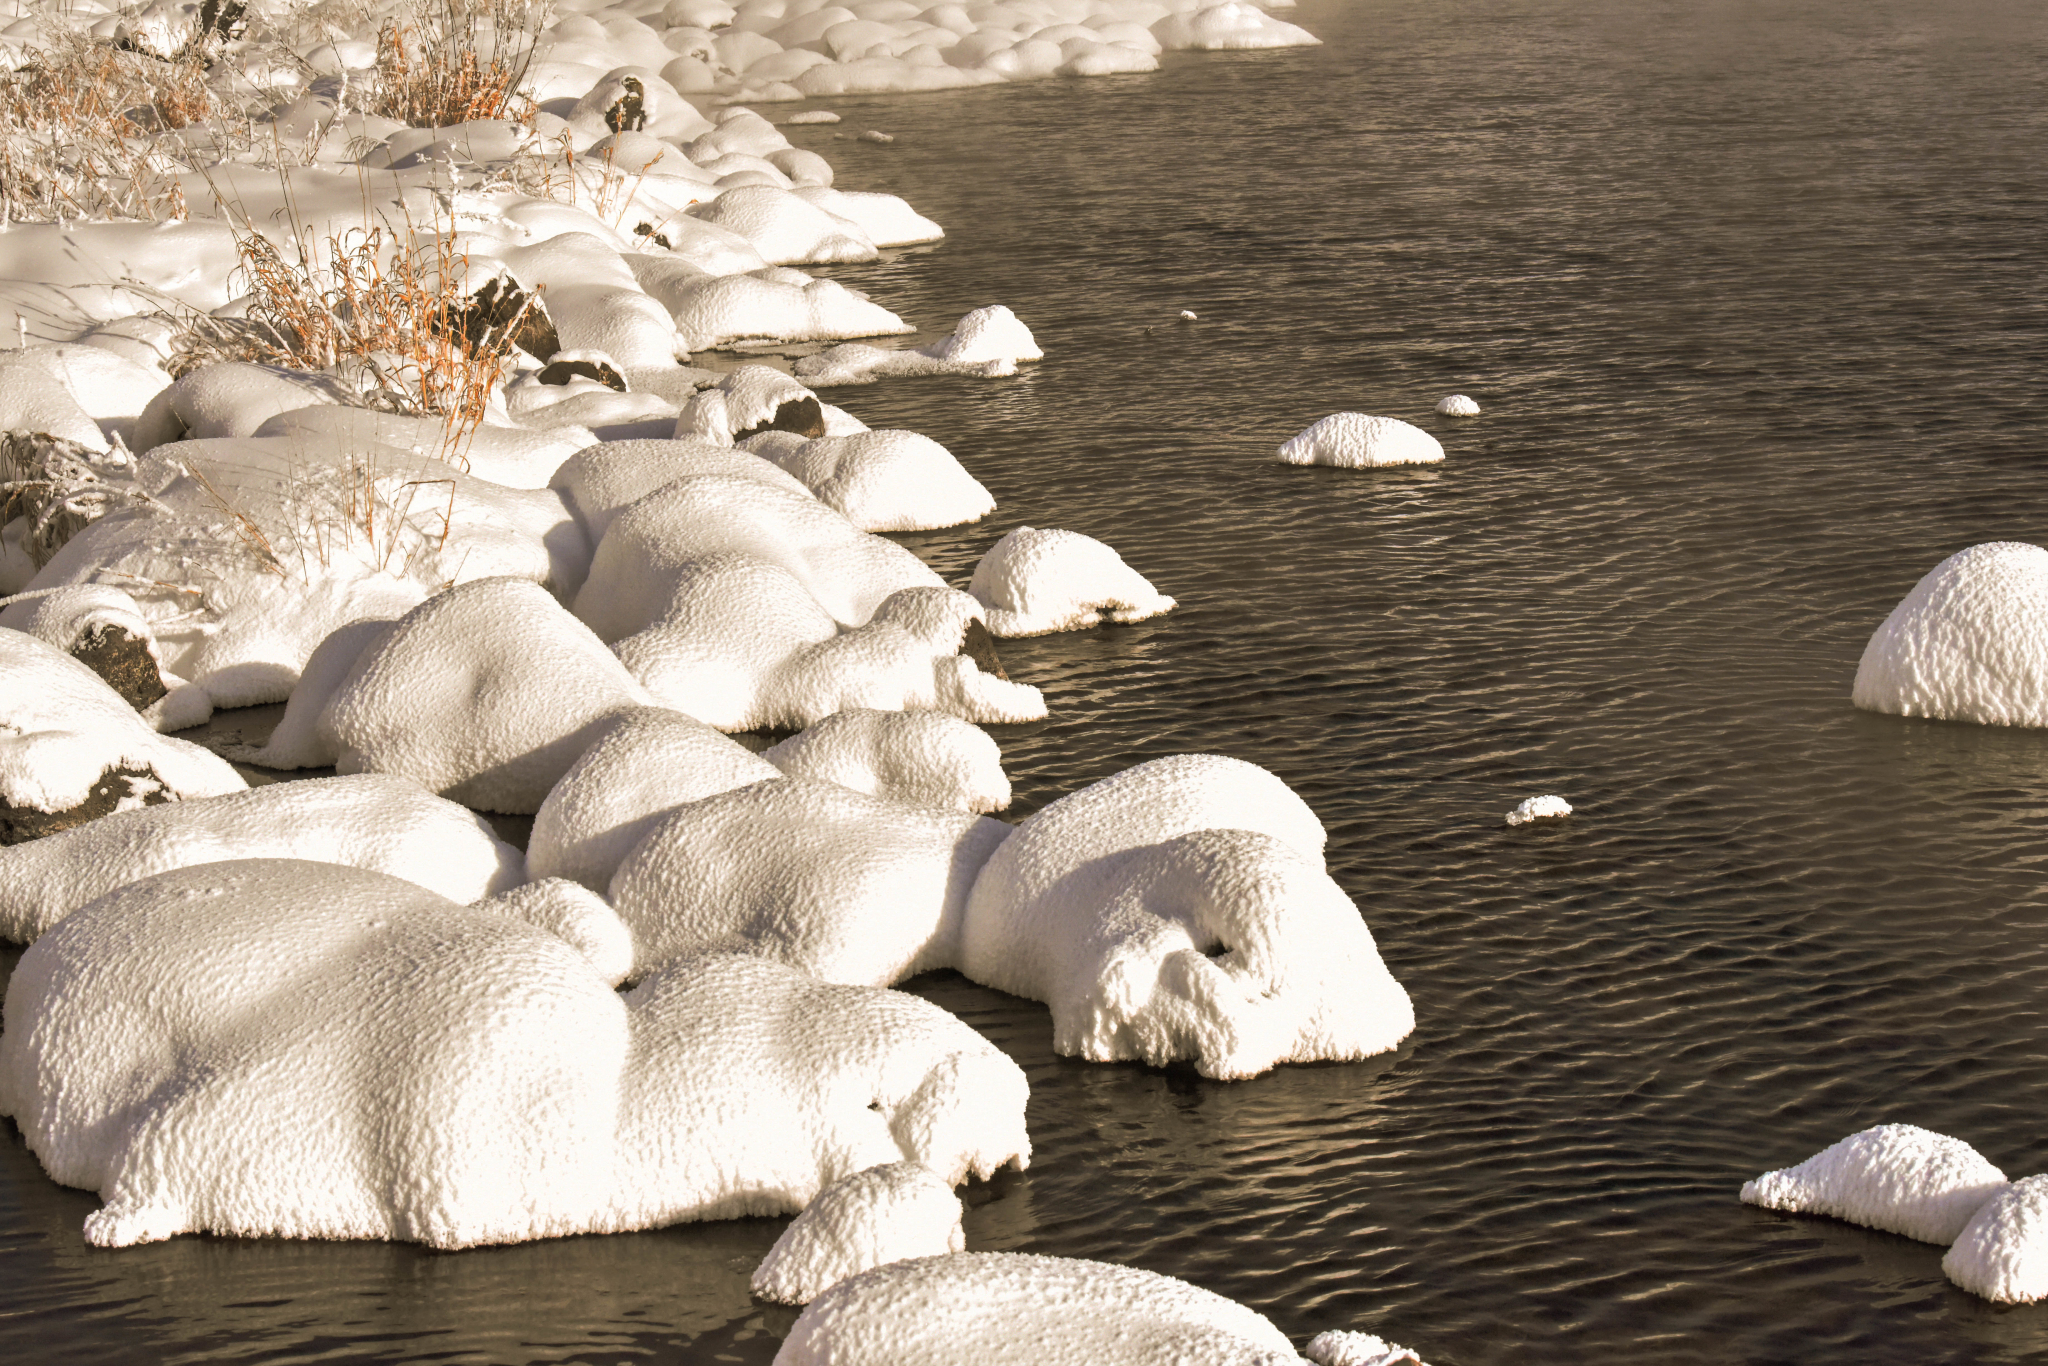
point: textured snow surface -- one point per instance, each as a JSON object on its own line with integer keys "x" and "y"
{"x": 273, "y": 1048}
{"x": 1457, "y": 405}
{"x": 62, "y": 728}
{"x": 1969, "y": 643}
{"x": 2002, "y": 1253}
{"x": 991, "y": 333}
{"x": 1359, "y": 441}
{"x": 600, "y": 482}
{"x": 385, "y": 824}
{"x": 729, "y": 308}
{"x": 888, "y": 480}
{"x": 1016, "y": 1309}
{"x": 642, "y": 764}
{"x": 485, "y": 693}
{"x": 1339, "y": 1348}
{"x": 988, "y": 342}
{"x": 1895, "y": 1177}
{"x": 847, "y": 887}
{"x": 872, "y": 1218}
{"x": 1034, "y": 582}
{"x": 926, "y": 758}
{"x": 1180, "y": 910}
{"x": 1235, "y": 24}
{"x": 1538, "y": 808}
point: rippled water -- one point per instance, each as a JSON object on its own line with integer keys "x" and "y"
{"x": 1752, "y": 295}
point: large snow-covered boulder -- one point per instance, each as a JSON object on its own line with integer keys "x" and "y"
{"x": 1355, "y": 441}
{"x": 2002, "y": 1253}
{"x": 1017, "y": 1309}
{"x": 486, "y": 694}
{"x": 388, "y": 825}
{"x": 273, "y": 1048}
{"x": 1896, "y": 1177}
{"x": 872, "y": 1218}
{"x": 1180, "y": 910}
{"x": 786, "y": 228}
{"x": 600, "y": 482}
{"x": 846, "y": 887}
{"x": 642, "y": 764}
{"x": 1037, "y": 581}
{"x": 72, "y": 749}
{"x": 1969, "y": 643}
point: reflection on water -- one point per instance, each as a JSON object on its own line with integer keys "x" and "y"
{"x": 1751, "y": 297}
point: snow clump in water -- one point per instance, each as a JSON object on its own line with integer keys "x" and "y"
{"x": 874, "y": 1217}
{"x": 2002, "y": 1254}
{"x": 1034, "y": 582}
{"x": 1969, "y": 643}
{"x": 1356, "y": 441}
{"x": 1539, "y": 808}
{"x": 1457, "y": 405}
{"x": 1895, "y": 1177}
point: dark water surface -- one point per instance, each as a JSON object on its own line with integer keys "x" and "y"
{"x": 1752, "y": 295}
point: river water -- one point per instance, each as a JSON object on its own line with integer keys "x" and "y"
{"x": 1752, "y": 295}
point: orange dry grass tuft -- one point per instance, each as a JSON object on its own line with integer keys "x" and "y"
{"x": 438, "y": 68}
{"x": 79, "y": 131}
{"x": 388, "y": 314}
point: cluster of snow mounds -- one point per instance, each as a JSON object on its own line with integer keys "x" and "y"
{"x": 1180, "y": 910}
{"x": 1017, "y": 1309}
{"x": 1034, "y": 582}
{"x": 388, "y": 825}
{"x": 413, "y": 1069}
{"x": 1355, "y": 441}
{"x": 874, "y": 1217}
{"x": 1969, "y": 643}
{"x": 71, "y": 748}
{"x": 1934, "y": 1188}
{"x": 988, "y": 342}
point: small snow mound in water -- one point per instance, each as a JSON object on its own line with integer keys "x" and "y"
{"x": 1356, "y": 441}
{"x": 874, "y": 1217}
{"x": 1187, "y": 315}
{"x": 988, "y": 334}
{"x": 1969, "y": 643}
{"x": 1035, "y": 582}
{"x": 2002, "y": 1253}
{"x": 1457, "y": 405}
{"x": 1537, "y": 808}
{"x": 873, "y": 136}
{"x": 1336, "y": 1348}
{"x": 1895, "y": 1177}
{"x": 813, "y": 116}
{"x": 1017, "y": 1309}
{"x": 1235, "y": 24}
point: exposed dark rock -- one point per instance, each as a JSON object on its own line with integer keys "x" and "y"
{"x": 501, "y": 306}
{"x": 225, "y": 19}
{"x": 125, "y": 662}
{"x": 978, "y": 645}
{"x": 628, "y": 113}
{"x": 660, "y": 238}
{"x": 562, "y": 371}
{"x": 20, "y": 824}
{"x": 800, "y": 415}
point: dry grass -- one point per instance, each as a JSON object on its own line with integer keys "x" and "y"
{"x": 463, "y": 59}
{"x": 83, "y": 132}
{"x": 387, "y": 312}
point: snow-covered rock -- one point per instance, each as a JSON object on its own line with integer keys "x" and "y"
{"x": 2002, "y": 1253}
{"x": 874, "y": 1217}
{"x": 599, "y": 482}
{"x": 1969, "y": 643}
{"x": 72, "y": 749}
{"x": 988, "y": 342}
{"x": 1017, "y": 1309}
{"x": 926, "y": 758}
{"x": 1355, "y": 441}
{"x": 1180, "y": 910}
{"x": 642, "y": 764}
{"x": 1034, "y": 582}
{"x": 992, "y": 333}
{"x": 388, "y": 825}
{"x": 486, "y": 694}
{"x": 1339, "y": 1348}
{"x": 1457, "y": 405}
{"x": 729, "y": 308}
{"x": 1233, "y": 24}
{"x": 886, "y": 480}
{"x": 846, "y": 887}
{"x": 271, "y": 1048}
{"x": 1896, "y": 1177}
{"x": 785, "y": 227}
